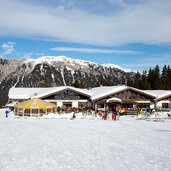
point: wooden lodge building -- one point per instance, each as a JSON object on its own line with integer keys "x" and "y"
{"x": 99, "y": 98}
{"x": 126, "y": 97}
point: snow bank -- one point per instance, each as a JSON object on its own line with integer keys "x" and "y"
{"x": 57, "y": 116}
{"x": 160, "y": 115}
{"x": 155, "y": 115}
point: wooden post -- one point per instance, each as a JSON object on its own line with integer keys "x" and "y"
{"x": 39, "y": 113}
{"x": 14, "y": 110}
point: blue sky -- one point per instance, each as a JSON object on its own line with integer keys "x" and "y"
{"x": 135, "y": 34}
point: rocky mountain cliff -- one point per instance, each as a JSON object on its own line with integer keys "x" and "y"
{"x": 57, "y": 71}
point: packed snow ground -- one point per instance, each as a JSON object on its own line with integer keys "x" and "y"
{"x": 84, "y": 144}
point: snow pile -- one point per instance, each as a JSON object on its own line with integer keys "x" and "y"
{"x": 51, "y": 116}
{"x": 155, "y": 115}
{"x": 160, "y": 115}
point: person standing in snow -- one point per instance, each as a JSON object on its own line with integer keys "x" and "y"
{"x": 138, "y": 111}
{"x": 58, "y": 109}
{"x": 73, "y": 116}
{"x": 6, "y": 113}
{"x": 117, "y": 116}
{"x": 104, "y": 116}
{"x": 114, "y": 116}
{"x": 147, "y": 109}
{"x": 93, "y": 114}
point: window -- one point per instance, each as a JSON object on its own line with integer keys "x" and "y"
{"x": 82, "y": 104}
{"x": 55, "y": 103}
{"x": 127, "y": 105}
{"x": 35, "y": 111}
{"x": 143, "y": 105}
{"x": 165, "y": 105}
{"x": 67, "y": 104}
{"x": 100, "y": 105}
{"x": 43, "y": 111}
{"x": 26, "y": 111}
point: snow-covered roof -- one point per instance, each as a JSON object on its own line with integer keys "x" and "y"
{"x": 57, "y": 89}
{"x": 101, "y": 92}
{"x": 162, "y": 96}
{"x": 24, "y": 93}
{"x": 157, "y": 92}
{"x": 27, "y": 93}
{"x": 11, "y": 104}
{"x": 143, "y": 92}
{"x": 94, "y": 93}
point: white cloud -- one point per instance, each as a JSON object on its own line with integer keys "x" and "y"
{"x": 94, "y": 50}
{"x": 147, "y": 22}
{"x": 151, "y": 61}
{"x": 8, "y": 48}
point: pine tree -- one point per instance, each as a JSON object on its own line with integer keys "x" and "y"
{"x": 137, "y": 80}
{"x": 76, "y": 84}
{"x": 130, "y": 82}
{"x": 145, "y": 85}
{"x": 154, "y": 78}
{"x": 79, "y": 84}
{"x": 168, "y": 78}
{"x": 164, "y": 78}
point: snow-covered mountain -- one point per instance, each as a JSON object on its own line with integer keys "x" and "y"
{"x": 58, "y": 71}
{"x": 118, "y": 67}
